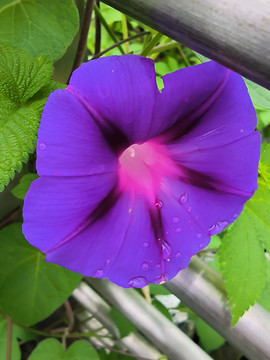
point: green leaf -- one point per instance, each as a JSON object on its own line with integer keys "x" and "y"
{"x": 52, "y": 349}
{"x": 241, "y": 256}
{"x": 39, "y": 27}
{"x": 124, "y": 326}
{"x": 264, "y": 299}
{"x": 257, "y": 209}
{"x": 259, "y": 95}
{"x": 30, "y": 288}
{"x": 20, "y": 79}
{"x": 158, "y": 290}
{"x": 21, "y": 189}
{"x": 15, "y": 349}
{"x": 243, "y": 265}
{"x": 209, "y": 338}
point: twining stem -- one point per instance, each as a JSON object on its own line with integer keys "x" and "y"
{"x": 84, "y": 33}
{"x": 120, "y": 43}
{"x": 125, "y": 32}
{"x": 97, "y": 32}
{"x": 9, "y": 338}
{"x": 183, "y": 55}
{"x": 107, "y": 28}
{"x": 154, "y": 41}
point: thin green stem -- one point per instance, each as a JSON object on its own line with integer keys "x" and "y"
{"x": 108, "y": 29}
{"x": 183, "y": 55}
{"x": 163, "y": 47}
{"x": 125, "y": 32}
{"x": 120, "y": 42}
{"x": 97, "y": 32}
{"x": 153, "y": 42}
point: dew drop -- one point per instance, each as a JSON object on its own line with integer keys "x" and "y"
{"x": 145, "y": 244}
{"x": 183, "y": 198}
{"x": 158, "y": 204}
{"x": 178, "y": 229}
{"x": 241, "y": 131}
{"x": 235, "y": 215}
{"x": 145, "y": 266}
{"x": 166, "y": 250}
{"x": 107, "y": 262}
{"x": 175, "y": 219}
{"x": 216, "y": 228}
{"x": 189, "y": 209}
{"x": 198, "y": 236}
{"x": 158, "y": 266}
{"x": 160, "y": 280}
{"x": 178, "y": 254}
{"x": 42, "y": 146}
{"x": 139, "y": 281}
{"x": 99, "y": 273}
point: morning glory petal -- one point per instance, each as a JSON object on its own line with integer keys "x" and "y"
{"x": 56, "y": 208}
{"x": 66, "y": 125}
{"x": 120, "y": 92}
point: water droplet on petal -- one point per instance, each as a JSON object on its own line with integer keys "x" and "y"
{"x": 189, "y": 209}
{"x": 99, "y": 273}
{"x": 145, "y": 244}
{"x": 158, "y": 266}
{"x": 175, "y": 219}
{"x": 241, "y": 131}
{"x": 145, "y": 266}
{"x": 107, "y": 262}
{"x": 139, "y": 281}
{"x": 235, "y": 215}
{"x": 160, "y": 280}
{"x": 166, "y": 250}
{"x": 198, "y": 236}
{"x": 42, "y": 146}
{"x": 158, "y": 204}
{"x": 178, "y": 229}
{"x": 178, "y": 254}
{"x": 216, "y": 228}
{"x": 183, "y": 198}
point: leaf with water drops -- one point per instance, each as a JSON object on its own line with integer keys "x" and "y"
{"x": 20, "y": 79}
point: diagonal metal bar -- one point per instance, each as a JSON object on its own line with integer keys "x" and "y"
{"x": 235, "y": 33}
{"x": 155, "y": 326}
{"x": 202, "y": 290}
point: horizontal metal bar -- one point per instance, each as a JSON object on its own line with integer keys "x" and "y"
{"x": 235, "y": 33}
{"x": 156, "y": 327}
{"x": 201, "y": 289}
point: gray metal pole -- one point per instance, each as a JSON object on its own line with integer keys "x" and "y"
{"x": 235, "y": 33}
{"x": 156, "y": 327}
{"x": 201, "y": 289}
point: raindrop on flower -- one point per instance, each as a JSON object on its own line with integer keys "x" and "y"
{"x": 216, "y": 228}
{"x": 183, "y": 198}
{"x": 158, "y": 204}
{"x": 99, "y": 273}
{"x": 166, "y": 250}
{"x": 139, "y": 281}
{"x": 175, "y": 219}
{"x": 42, "y": 146}
{"x": 145, "y": 266}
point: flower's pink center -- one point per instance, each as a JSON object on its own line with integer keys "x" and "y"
{"x": 143, "y": 166}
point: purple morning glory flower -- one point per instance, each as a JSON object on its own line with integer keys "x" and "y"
{"x": 134, "y": 181}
